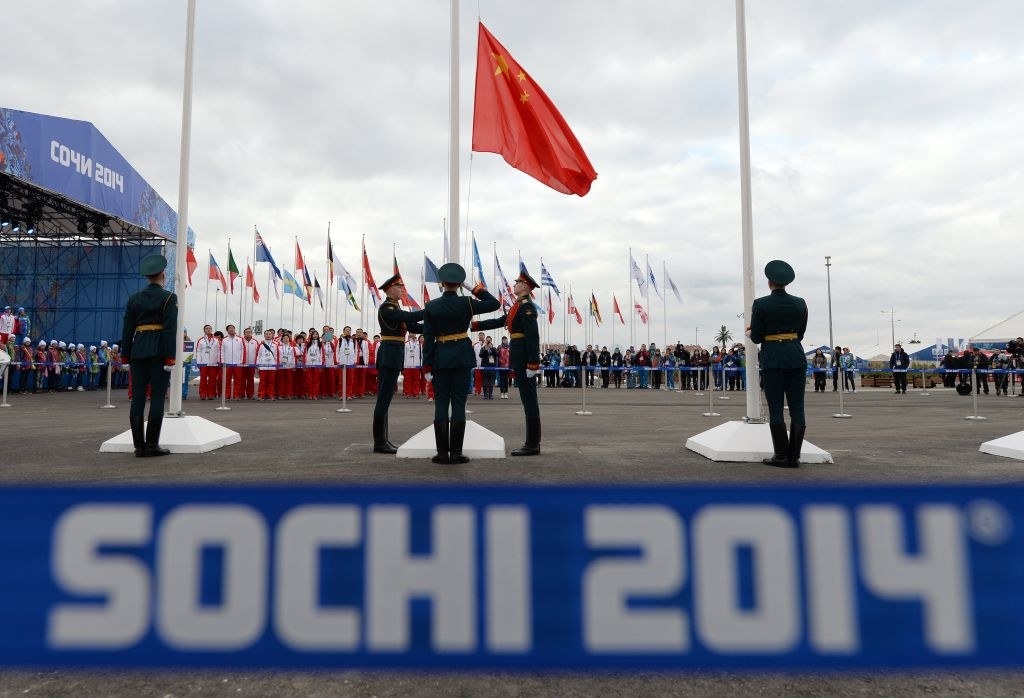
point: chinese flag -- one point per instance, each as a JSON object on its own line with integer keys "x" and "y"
{"x": 514, "y": 118}
{"x": 190, "y": 263}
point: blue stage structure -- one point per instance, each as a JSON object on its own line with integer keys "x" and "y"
{"x": 76, "y": 220}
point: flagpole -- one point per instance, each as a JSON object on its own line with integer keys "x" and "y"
{"x": 614, "y": 303}
{"x": 206, "y": 294}
{"x": 453, "y": 133}
{"x": 647, "y": 262}
{"x": 632, "y": 310}
{"x": 363, "y": 263}
{"x": 664, "y": 299}
{"x": 753, "y": 394}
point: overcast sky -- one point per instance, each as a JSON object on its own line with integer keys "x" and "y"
{"x": 883, "y": 133}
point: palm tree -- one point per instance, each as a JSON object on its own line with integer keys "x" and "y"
{"x": 723, "y": 336}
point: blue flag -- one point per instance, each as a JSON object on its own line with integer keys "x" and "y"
{"x": 430, "y": 271}
{"x": 477, "y": 265}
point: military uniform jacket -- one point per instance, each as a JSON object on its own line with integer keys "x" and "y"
{"x": 395, "y": 322}
{"x": 450, "y": 315}
{"x": 779, "y": 313}
{"x": 521, "y": 319}
{"x": 152, "y": 305}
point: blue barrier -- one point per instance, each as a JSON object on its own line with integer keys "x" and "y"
{"x": 581, "y": 578}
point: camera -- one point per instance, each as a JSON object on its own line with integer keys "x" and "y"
{"x": 1015, "y": 347}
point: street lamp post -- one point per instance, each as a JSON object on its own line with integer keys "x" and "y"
{"x": 892, "y": 324}
{"x": 695, "y": 331}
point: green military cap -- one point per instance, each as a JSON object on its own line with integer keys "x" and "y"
{"x": 391, "y": 282}
{"x": 451, "y": 273}
{"x": 779, "y": 272}
{"x": 153, "y": 264}
{"x": 527, "y": 279}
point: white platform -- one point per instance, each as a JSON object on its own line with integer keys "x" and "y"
{"x": 479, "y": 443}
{"x": 180, "y": 435}
{"x": 742, "y": 442}
{"x": 1011, "y": 446}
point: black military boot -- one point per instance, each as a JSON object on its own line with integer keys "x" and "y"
{"x": 532, "y": 445}
{"x": 153, "y": 438}
{"x": 138, "y": 434}
{"x": 780, "y": 444}
{"x": 380, "y": 436}
{"x": 441, "y": 440}
{"x": 796, "y": 442}
{"x": 458, "y": 434}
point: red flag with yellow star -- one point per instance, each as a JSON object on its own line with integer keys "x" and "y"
{"x": 514, "y": 118}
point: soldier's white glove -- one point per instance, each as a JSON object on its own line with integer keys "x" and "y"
{"x": 532, "y": 372}
{"x": 169, "y": 369}
{"x": 429, "y": 377}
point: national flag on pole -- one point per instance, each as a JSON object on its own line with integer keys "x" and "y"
{"x": 370, "y": 283}
{"x": 514, "y": 118}
{"x": 640, "y": 311}
{"x": 232, "y": 270}
{"x": 307, "y": 283}
{"x": 551, "y": 309}
{"x": 426, "y": 296}
{"x": 430, "y": 271}
{"x": 250, "y": 280}
{"x": 573, "y": 310}
{"x": 546, "y": 280}
{"x": 477, "y": 265}
{"x": 292, "y": 286}
{"x": 507, "y": 297}
{"x": 616, "y": 310}
{"x": 216, "y": 274}
{"x": 347, "y": 284}
{"x": 594, "y": 310}
{"x": 638, "y": 276}
{"x": 671, "y": 285}
{"x": 654, "y": 284}
{"x": 407, "y": 299}
{"x": 190, "y": 262}
{"x": 330, "y": 260}
{"x": 263, "y": 255}
{"x": 319, "y": 292}
{"x": 299, "y": 262}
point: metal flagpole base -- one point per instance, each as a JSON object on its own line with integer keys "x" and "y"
{"x": 842, "y": 415}
{"x": 975, "y": 416}
{"x": 1011, "y": 446}
{"x": 746, "y": 442}
{"x": 343, "y": 409}
{"x": 585, "y": 413}
{"x": 711, "y": 414}
{"x": 222, "y": 408}
{"x": 478, "y": 442}
{"x": 108, "y": 407}
{"x": 180, "y": 434}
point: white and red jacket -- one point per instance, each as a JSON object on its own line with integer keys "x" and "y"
{"x": 233, "y": 351}
{"x": 252, "y": 346}
{"x": 315, "y": 354}
{"x": 268, "y": 356}
{"x": 207, "y": 351}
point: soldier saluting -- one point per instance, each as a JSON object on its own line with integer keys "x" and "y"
{"x": 524, "y": 356}
{"x": 394, "y": 323}
{"x": 148, "y": 345}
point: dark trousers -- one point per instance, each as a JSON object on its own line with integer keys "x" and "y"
{"x": 604, "y": 377}
{"x": 784, "y": 384}
{"x": 503, "y": 380}
{"x": 819, "y": 381}
{"x": 848, "y": 381}
{"x": 836, "y": 370}
{"x": 899, "y": 381}
{"x": 451, "y": 386}
{"x": 388, "y": 381}
{"x": 148, "y": 373}
{"x": 528, "y": 392}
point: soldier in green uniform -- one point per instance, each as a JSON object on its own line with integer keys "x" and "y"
{"x": 778, "y": 322}
{"x": 147, "y": 345}
{"x": 524, "y": 356}
{"x": 394, "y": 323}
{"x": 448, "y": 357}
